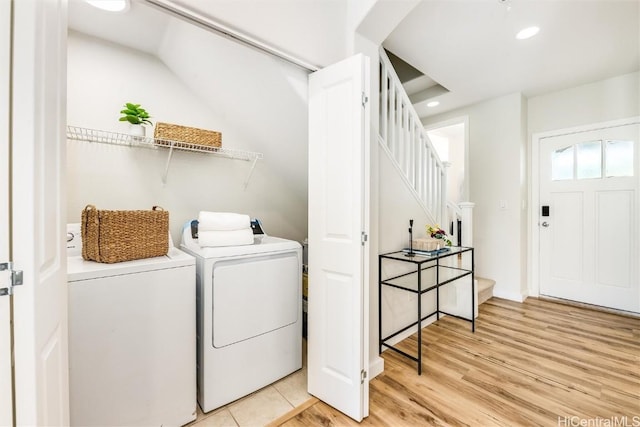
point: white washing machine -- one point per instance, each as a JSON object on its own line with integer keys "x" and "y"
{"x": 131, "y": 339}
{"x": 249, "y": 311}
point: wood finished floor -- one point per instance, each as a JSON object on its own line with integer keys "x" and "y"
{"x": 535, "y": 363}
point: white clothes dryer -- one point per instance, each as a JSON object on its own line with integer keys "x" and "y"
{"x": 131, "y": 339}
{"x": 249, "y": 311}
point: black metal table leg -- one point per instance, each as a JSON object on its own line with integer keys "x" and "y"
{"x": 379, "y": 305}
{"x": 419, "y": 320}
{"x": 438, "y": 289}
{"x": 473, "y": 294}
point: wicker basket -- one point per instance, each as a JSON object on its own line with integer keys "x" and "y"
{"x": 165, "y": 132}
{"x": 428, "y": 244}
{"x": 115, "y": 236}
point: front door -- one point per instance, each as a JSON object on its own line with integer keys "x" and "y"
{"x": 38, "y": 210}
{"x": 338, "y": 333}
{"x": 589, "y": 217}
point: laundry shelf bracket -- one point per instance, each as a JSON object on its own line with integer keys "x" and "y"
{"x": 166, "y": 167}
{"x": 253, "y": 166}
{"x": 114, "y": 138}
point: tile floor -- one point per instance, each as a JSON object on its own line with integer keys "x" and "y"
{"x": 262, "y": 406}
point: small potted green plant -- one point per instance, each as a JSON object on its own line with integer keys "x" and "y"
{"x": 137, "y": 116}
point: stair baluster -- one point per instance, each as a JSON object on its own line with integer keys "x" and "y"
{"x": 405, "y": 140}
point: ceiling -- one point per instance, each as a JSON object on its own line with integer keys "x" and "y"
{"x": 469, "y": 46}
{"x": 466, "y": 46}
{"x": 139, "y": 28}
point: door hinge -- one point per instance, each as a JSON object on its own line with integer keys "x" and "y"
{"x": 365, "y": 99}
{"x": 363, "y": 376}
{"x": 363, "y": 238}
{"x": 15, "y": 278}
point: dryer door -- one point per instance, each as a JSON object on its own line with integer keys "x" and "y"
{"x": 254, "y": 295}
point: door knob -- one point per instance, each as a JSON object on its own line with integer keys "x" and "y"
{"x": 545, "y": 224}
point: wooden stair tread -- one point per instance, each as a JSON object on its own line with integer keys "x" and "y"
{"x": 484, "y": 284}
{"x": 485, "y": 289}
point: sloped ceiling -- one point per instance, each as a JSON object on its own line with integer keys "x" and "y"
{"x": 312, "y": 30}
{"x": 140, "y": 27}
{"x": 260, "y": 95}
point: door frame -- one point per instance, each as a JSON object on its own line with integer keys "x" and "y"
{"x": 6, "y": 374}
{"x": 533, "y": 262}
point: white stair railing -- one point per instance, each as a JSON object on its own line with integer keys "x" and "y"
{"x": 403, "y": 136}
{"x": 405, "y": 140}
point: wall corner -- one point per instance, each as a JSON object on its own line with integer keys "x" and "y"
{"x": 376, "y": 367}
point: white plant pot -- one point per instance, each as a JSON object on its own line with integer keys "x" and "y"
{"x": 137, "y": 131}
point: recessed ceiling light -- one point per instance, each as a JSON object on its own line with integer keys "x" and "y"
{"x": 433, "y": 104}
{"x": 527, "y": 33}
{"x": 110, "y": 5}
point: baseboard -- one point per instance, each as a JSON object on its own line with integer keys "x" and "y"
{"x": 512, "y": 296}
{"x": 406, "y": 334}
{"x": 589, "y": 306}
{"x": 376, "y": 367}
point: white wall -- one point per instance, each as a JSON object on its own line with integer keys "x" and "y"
{"x": 397, "y": 206}
{"x": 456, "y": 178}
{"x": 525, "y": 197}
{"x": 102, "y": 76}
{"x": 496, "y": 175}
{"x": 451, "y": 138}
{"x": 601, "y": 101}
{"x": 260, "y": 97}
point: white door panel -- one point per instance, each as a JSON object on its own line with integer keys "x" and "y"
{"x": 566, "y": 241}
{"x": 6, "y": 398}
{"x": 589, "y": 242}
{"x": 338, "y": 194}
{"x": 38, "y": 211}
{"x": 614, "y": 249}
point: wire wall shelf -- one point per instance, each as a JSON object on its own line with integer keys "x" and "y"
{"x": 120, "y": 139}
{"x": 113, "y": 138}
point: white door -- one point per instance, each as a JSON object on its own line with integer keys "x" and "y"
{"x": 38, "y": 214}
{"x": 589, "y": 239}
{"x": 338, "y": 332}
{"x": 6, "y": 399}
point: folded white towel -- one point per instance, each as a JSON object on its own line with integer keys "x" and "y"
{"x": 222, "y": 221}
{"x": 225, "y": 238}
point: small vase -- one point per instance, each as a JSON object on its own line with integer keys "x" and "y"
{"x": 137, "y": 132}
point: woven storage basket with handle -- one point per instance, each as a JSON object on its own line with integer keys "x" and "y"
{"x": 115, "y": 236}
{"x": 167, "y": 132}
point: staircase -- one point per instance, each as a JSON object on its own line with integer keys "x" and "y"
{"x": 403, "y": 137}
{"x": 485, "y": 289}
